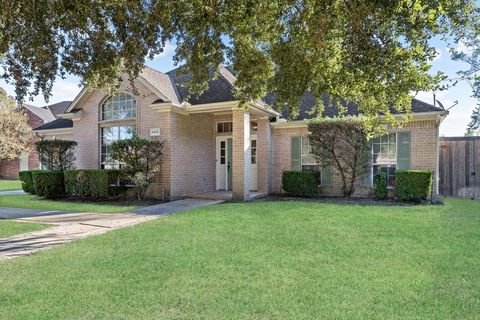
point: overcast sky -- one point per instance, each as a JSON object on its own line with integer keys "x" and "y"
{"x": 454, "y": 125}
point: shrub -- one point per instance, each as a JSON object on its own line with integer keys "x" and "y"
{"x": 300, "y": 183}
{"x": 49, "y": 184}
{"x": 142, "y": 160}
{"x": 27, "y": 180}
{"x": 91, "y": 183}
{"x": 56, "y": 154}
{"x": 381, "y": 185}
{"x": 413, "y": 185}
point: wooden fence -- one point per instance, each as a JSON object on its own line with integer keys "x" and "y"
{"x": 460, "y": 167}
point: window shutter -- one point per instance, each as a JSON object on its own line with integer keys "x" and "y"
{"x": 296, "y": 153}
{"x": 327, "y": 176}
{"x": 403, "y": 150}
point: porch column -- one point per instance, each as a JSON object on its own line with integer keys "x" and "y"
{"x": 264, "y": 155}
{"x": 241, "y": 155}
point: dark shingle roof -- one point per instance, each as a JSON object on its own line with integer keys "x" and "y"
{"x": 56, "y": 124}
{"x": 59, "y": 107}
{"x": 308, "y": 103}
{"x": 219, "y": 90}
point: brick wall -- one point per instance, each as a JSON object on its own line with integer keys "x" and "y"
{"x": 193, "y": 154}
{"x": 424, "y": 142}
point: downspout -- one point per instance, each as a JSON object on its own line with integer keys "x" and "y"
{"x": 437, "y": 165}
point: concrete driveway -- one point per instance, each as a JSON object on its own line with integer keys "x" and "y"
{"x": 17, "y": 213}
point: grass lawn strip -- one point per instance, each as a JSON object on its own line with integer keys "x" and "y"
{"x": 262, "y": 260}
{"x": 33, "y": 202}
{"x": 10, "y": 228}
{"x": 8, "y": 185}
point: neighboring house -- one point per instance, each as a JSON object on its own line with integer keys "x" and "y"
{"x": 211, "y": 144}
{"x": 37, "y": 116}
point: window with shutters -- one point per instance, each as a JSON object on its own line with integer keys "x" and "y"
{"x": 309, "y": 163}
{"x": 384, "y": 152}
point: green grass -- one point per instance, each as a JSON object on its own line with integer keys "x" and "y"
{"x": 33, "y": 202}
{"x": 7, "y": 185}
{"x": 10, "y": 228}
{"x": 263, "y": 260}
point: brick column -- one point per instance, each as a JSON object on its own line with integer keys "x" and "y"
{"x": 241, "y": 155}
{"x": 264, "y": 155}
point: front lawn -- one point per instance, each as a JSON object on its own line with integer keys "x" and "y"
{"x": 7, "y": 185}
{"x": 10, "y": 228}
{"x": 33, "y": 202}
{"x": 262, "y": 260}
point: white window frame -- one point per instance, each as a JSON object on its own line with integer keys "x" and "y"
{"x": 314, "y": 163}
{"x": 132, "y": 109}
{"x": 114, "y": 164}
{"x": 386, "y": 163}
{"x": 223, "y": 123}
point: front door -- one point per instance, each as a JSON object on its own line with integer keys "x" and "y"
{"x": 224, "y": 163}
{"x": 253, "y": 164}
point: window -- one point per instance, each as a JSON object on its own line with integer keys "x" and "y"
{"x": 253, "y": 151}
{"x": 120, "y": 106}
{"x": 253, "y": 126}
{"x": 224, "y": 127}
{"x": 385, "y": 156}
{"x": 109, "y": 135}
{"x": 309, "y": 163}
{"x": 223, "y": 154}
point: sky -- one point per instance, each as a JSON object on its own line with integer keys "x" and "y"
{"x": 454, "y": 125}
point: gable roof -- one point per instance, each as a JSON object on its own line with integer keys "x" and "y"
{"x": 163, "y": 83}
{"x": 219, "y": 89}
{"x": 56, "y": 124}
{"x": 44, "y": 114}
{"x": 58, "y": 108}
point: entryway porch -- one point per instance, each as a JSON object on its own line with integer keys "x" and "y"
{"x": 225, "y": 195}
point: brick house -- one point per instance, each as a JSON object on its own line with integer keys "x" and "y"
{"x": 213, "y": 147}
{"x": 36, "y": 116}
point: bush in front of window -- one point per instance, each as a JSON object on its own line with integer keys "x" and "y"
{"x": 26, "y": 179}
{"x": 56, "y": 154}
{"x": 381, "y": 185}
{"x": 49, "y": 184}
{"x": 413, "y": 185}
{"x": 91, "y": 183}
{"x": 300, "y": 183}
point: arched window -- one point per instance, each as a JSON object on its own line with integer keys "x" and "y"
{"x": 120, "y": 106}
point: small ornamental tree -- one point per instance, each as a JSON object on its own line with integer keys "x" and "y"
{"x": 15, "y": 133}
{"x": 342, "y": 143}
{"x": 142, "y": 160}
{"x": 56, "y": 155}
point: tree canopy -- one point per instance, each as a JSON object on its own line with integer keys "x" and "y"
{"x": 370, "y": 52}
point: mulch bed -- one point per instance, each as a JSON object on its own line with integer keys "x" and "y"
{"x": 351, "y": 201}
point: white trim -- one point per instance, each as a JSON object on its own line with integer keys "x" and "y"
{"x": 49, "y": 132}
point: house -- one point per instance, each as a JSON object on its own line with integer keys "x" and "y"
{"x": 36, "y": 116}
{"x": 212, "y": 145}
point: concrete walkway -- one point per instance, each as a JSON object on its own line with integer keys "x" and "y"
{"x": 66, "y": 228}
{"x": 12, "y": 192}
{"x": 69, "y": 227}
{"x": 17, "y": 213}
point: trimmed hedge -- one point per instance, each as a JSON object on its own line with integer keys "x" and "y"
{"x": 49, "y": 184}
{"x": 91, "y": 183}
{"x": 300, "y": 183}
{"x": 27, "y": 180}
{"x": 413, "y": 185}
{"x": 381, "y": 185}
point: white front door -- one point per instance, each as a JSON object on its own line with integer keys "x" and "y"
{"x": 253, "y": 164}
{"x": 224, "y": 163}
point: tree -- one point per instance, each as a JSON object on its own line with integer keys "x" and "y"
{"x": 15, "y": 133}
{"x": 369, "y": 52}
{"x": 56, "y": 154}
{"x": 342, "y": 143}
{"x": 473, "y": 127}
{"x": 141, "y": 160}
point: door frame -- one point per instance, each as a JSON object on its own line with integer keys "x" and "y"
{"x": 228, "y": 162}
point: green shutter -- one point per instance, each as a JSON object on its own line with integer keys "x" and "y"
{"x": 296, "y": 153}
{"x": 403, "y": 150}
{"x": 327, "y": 176}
